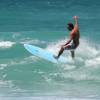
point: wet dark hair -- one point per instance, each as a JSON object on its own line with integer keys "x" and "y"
{"x": 70, "y": 26}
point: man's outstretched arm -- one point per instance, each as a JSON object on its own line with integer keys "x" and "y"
{"x": 76, "y": 23}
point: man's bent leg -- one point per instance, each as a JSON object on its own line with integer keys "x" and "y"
{"x": 60, "y": 52}
{"x": 73, "y": 54}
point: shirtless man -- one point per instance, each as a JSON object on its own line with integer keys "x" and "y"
{"x": 73, "y": 42}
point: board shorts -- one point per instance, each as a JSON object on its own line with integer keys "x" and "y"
{"x": 70, "y": 46}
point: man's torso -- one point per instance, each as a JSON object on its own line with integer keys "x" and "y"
{"x": 76, "y": 36}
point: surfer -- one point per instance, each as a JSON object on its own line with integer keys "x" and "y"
{"x": 73, "y": 41}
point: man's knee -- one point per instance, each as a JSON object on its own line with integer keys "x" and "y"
{"x": 62, "y": 48}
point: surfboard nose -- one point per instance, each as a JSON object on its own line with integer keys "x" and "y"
{"x": 25, "y": 45}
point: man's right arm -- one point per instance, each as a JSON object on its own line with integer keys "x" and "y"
{"x": 76, "y": 23}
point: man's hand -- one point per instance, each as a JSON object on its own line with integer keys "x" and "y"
{"x": 76, "y": 23}
{"x": 75, "y": 17}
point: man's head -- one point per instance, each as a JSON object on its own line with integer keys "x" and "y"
{"x": 70, "y": 26}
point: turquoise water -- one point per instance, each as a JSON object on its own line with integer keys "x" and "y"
{"x": 43, "y": 23}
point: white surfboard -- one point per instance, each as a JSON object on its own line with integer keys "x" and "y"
{"x": 39, "y": 52}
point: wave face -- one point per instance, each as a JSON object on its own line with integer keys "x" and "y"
{"x": 43, "y": 23}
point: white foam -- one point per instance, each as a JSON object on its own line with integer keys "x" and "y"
{"x": 2, "y": 66}
{"x": 23, "y": 61}
{"x": 42, "y": 98}
{"x": 6, "y": 44}
{"x": 95, "y": 62}
{"x": 68, "y": 67}
{"x": 86, "y": 54}
{"x": 86, "y": 49}
{"x": 32, "y": 41}
{"x": 79, "y": 76}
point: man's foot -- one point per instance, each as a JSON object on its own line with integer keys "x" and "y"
{"x": 56, "y": 57}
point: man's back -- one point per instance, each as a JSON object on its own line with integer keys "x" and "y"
{"x": 75, "y": 34}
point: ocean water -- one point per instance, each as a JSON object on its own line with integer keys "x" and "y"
{"x": 43, "y": 23}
